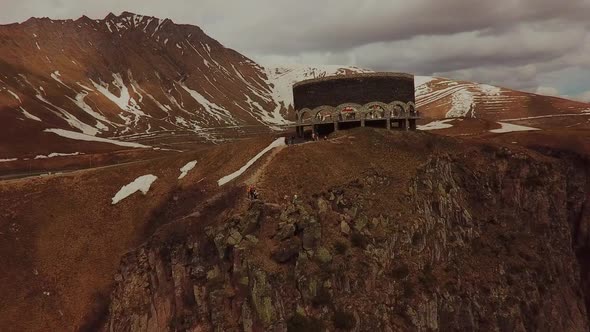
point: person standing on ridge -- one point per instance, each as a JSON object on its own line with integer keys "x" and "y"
{"x": 254, "y": 193}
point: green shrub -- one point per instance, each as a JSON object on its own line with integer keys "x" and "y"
{"x": 408, "y": 289}
{"x": 417, "y": 238}
{"x": 341, "y": 247}
{"x": 515, "y": 268}
{"x": 534, "y": 181}
{"x": 344, "y": 320}
{"x": 358, "y": 240}
{"x": 427, "y": 278}
{"x": 322, "y": 297}
{"x": 300, "y": 323}
{"x": 401, "y": 271}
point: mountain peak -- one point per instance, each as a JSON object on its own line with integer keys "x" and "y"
{"x": 110, "y": 16}
{"x": 37, "y": 19}
{"x": 84, "y": 18}
{"x": 134, "y": 16}
{"x": 126, "y": 14}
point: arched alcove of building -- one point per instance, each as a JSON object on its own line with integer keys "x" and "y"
{"x": 305, "y": 116}
{"x": 398, "y": 110}
{"x": 411, "y": 108}
{"x": 324, "y": 114}
{"x": 375, "y": 111}
{"x": 349, "y": 112}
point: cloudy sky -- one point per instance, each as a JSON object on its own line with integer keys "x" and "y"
{"x": 535, "y": 45}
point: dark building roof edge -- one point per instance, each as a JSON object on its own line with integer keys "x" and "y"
{"x": 358, "y": 75}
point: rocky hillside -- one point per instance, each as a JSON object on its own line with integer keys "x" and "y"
{"x": 400, "y": 239}
{"x": 125, "y": 74}
{"x": 394, "y": 231}
{"x": 131, "y": 74}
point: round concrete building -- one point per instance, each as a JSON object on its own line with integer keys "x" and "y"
{"x": 340, "y": 102}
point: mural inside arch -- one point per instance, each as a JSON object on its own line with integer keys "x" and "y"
{"x": 349, "y": 111}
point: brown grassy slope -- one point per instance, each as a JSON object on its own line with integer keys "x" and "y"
{"x": 155, "y": 59}
{"x": 61, "y": 234}
{"x": 474, "y": 213}
{"x": 309, "y": 168}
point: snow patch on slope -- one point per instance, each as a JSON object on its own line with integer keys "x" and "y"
{"x": 84, "y": 137}
{"x": 69, "y": 118}
{"x": 584, "y": 113}
{"x": 435, "y": 125}
{"x": 79, "y": 101}
{"x": 142, "y": 183}
{"x": 29, "y": 115}
{"x": 14, "y": 95}
{"x": 462, "y": 104}
{"x": 56, "y": 76}
{"x": 124, "y": 101}
{"x": 187, "y": 168}
{"x": 490, "y": 90}
{"x": 57, "y": 154}
{"x": 266, "y": 117}
{"x": 65, "y": 115}
{"x": 422, "y": 90}
{"x": 84, "y": 87}
{"x": 422, "y": 80}
{"x": 509, "y": 127}
{"x": 216, "y": 111}
{"x": 278, "y": 142}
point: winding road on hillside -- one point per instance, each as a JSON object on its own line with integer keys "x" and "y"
{"x": 23, "y": 175}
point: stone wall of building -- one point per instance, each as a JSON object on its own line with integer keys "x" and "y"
{"x": 358, "y": 88}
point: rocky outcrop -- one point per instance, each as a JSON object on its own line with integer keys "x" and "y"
{"x": 474, "y": 243}
{"x": 577, "y": 174}
{"x": 500, "y": 232}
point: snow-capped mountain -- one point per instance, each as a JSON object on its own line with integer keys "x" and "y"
{"x": 443, "y": 98}
{"x": 130, "y": 74}
{"x": 126, "y": 74}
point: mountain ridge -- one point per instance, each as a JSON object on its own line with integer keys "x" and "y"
{"x": 139, "y": 75}
{"x": 368, "y": 229}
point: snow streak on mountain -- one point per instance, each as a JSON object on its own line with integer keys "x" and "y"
{"x": 442, "y": 98}
{"x": 131, "y": 75}
{"x": 127, "y": 74}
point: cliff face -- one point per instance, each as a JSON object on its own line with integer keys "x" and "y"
{"x": 577, "y": 167}
{"x": 477, "y": 240}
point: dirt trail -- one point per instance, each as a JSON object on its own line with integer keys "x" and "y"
{"x": 252, "y": 179}
{"x": 61, "y": 172}
{"x": 259, "y": 172}
{"x": 256, "y": 178}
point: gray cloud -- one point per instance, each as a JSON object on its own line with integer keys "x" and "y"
{"x": 521, "y": 44}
